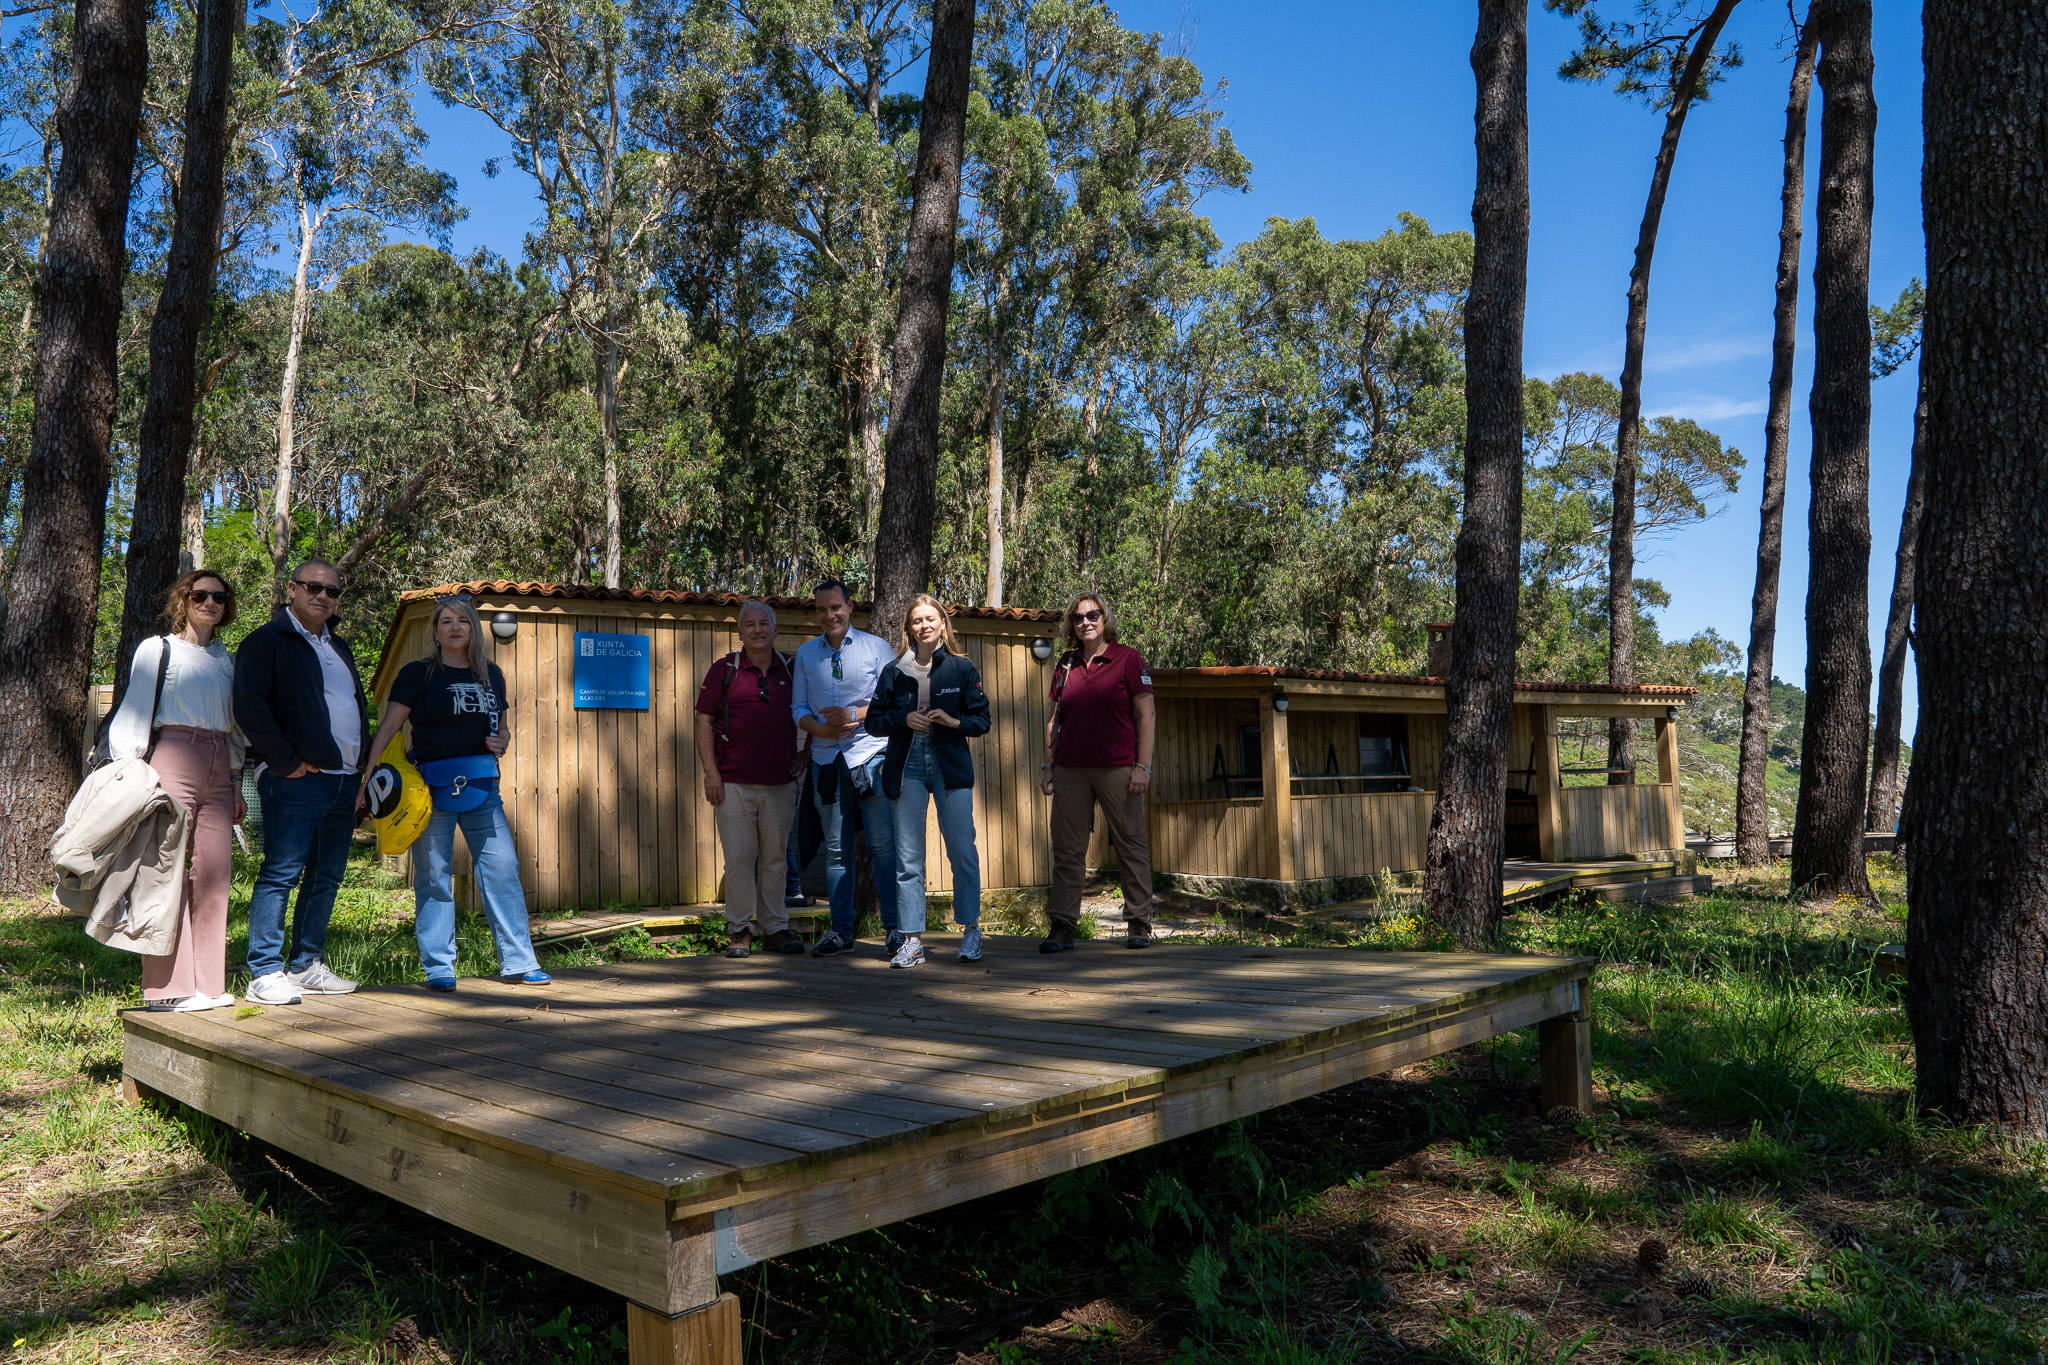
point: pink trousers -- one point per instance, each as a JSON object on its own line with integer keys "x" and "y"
{"x": 193, "y": 766}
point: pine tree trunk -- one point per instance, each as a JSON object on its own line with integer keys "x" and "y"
{"x": 608, "y": 405}
{"x": 1827, "y": 832}
{"x": 1976, "y": 812}
{"x": 1883, "y": 813}
{"x": 1752, "y": 810}
{"x": 903, "y": 538}
{"x": 46, "y": 655}
{"x": 168, "y": 415}
{"x": 1621, "y": 538}
{"x": 1468, "y": 826}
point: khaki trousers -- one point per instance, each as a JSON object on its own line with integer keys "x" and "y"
{"x": 1076, "y": 792}
{"x": 753, "y": 828}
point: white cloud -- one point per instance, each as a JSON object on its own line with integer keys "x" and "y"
{"x": 1703, "y": 407}
{"x": 1703, "y": 353}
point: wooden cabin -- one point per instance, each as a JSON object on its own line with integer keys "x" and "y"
{"x": 606, "y": 801}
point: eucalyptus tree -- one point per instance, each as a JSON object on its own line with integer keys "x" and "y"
{"x": 1467, "y": 826}
{"x": 1827, "y": 830}
{"x": 1752, "y": 815}
{"x": 1896, "y": 333}
{"x": 46, "y": 650}
{"x": 1665, "y": 56}
{"x": 903, "y": 535}
{"x": 345, "y": 147}
{"x": 1977, "y": 927}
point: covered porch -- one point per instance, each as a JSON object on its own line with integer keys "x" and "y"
{"x": 1312, "y": 782}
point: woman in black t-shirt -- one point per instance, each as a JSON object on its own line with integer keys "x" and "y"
{"x": 461, "y": 722}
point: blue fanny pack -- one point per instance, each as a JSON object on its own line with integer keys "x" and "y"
{"x": 460, "y": 784}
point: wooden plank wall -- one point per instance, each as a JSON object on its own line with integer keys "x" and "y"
{"x": 1348, "y": 836}
{"x": 607, "y": 807}
{"x": 1613, "y": 822}
{"x": 1207, "y": 838}
{"x": 1426, "y": 749}
{"x": 1184, "y": 748}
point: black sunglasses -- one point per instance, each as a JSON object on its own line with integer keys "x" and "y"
{"x": 209, "y": 595}
{"x": 1088, "y": 615}
{"x": 331, "y": 589}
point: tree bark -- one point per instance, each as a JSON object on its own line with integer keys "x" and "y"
{"x": 1883, "y": 813}
{"x": 1976, "y": 814}
{"x": 903, "y": 538}
{"x": 1827, "y": 832}
{"x": 169, "y": 414}
{"x": 1752, "y": 811}
{"x": 287, "y": 401}
{"x": 1468, "y": 825}
{"x": 46, "y": 656}
{"x": 995, "y": 473}
{"x": 1621, "y": 538}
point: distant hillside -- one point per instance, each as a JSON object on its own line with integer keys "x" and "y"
{"x": 1710, "y": 751}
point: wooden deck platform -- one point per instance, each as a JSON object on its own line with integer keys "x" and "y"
{"x": 1524, "y": 880}
{"x": 650, "y": 1125}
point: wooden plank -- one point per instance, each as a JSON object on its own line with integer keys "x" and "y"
{"x": 1275, "y": 856}
{"x": 588, "y": 779}
{"x": 1667, "y": 778}
{"x": 709, "y": 1335}
{"x": 1548, "y": 785}
{"x": 588, "y": 1227}
{"x": 551, "y": 892}
{"x": 1565, "y": 1057}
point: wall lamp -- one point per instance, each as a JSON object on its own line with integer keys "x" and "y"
{"x": 1041, "y": 649}
{"x": 504, "y": 626}
{"x": 1280, "y": 703}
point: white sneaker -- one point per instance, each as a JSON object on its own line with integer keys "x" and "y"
{"x": 910, "y": 953}
{"x": 273, "y": 988}
{"x": 192, "y": 1004}
{"x": 319, "y": 979}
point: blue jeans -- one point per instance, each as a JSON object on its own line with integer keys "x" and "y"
{"x": 839, "y": 853}
{"x": 308, "y": 823}
{"x": 489, "y": 837}
{"x": 921, "y": 781}
{"x": 793, "y": 876}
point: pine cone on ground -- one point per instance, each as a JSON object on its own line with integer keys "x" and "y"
{"x": 1652, "y": 1255}
{"x": 1693, "y": 1287}
{"x": 1418, "y": 1252}
{"x": 1562, "y": 1116}
{"x": 403, "y": 1340}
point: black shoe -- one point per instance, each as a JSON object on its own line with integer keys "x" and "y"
{"x": 830, "y": 944}
{"x": 796, "y": 902}
{"x": 894, "y": 941}
{"x": 1060, "y": 940}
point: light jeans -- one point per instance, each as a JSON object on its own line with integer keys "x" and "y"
{"x": 496, "y": 862}
{"x": 879, "y": 824}
{"x": 922, "y": 782}
{"x": 753, "y": 829}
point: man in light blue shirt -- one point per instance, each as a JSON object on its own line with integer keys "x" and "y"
{"x": 835, "y": 681}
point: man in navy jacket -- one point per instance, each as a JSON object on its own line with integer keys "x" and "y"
{"x": 299, "y": 700}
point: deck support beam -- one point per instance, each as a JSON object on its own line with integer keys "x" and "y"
{"x": 1565, "y": 1056}
{"x": 703, "y": 1336}
{"x": 1276, "y": 825}
{"x": 1548, "y": 785}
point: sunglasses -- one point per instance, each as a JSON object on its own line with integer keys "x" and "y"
{"x": 1095, "y": 615}
{"x": 209, "y": 595}
{"x": 449, "y": 601}
{"x": 330, "y": 589}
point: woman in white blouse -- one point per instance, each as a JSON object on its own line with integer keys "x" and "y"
{"x": 195, "y": 747}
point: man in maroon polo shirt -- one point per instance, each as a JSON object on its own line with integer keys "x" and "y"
{"x": 749, "y": 745}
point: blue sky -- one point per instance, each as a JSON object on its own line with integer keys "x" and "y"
{"x": 1352, "y": 113}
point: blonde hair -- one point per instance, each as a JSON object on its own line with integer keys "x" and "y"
{"x": 479, "y": 642}
{"x": 1074, "y": 605}
{"x": 946, "y": 636}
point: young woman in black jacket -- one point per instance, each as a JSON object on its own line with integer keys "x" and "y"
{"x": 928, "y": 704}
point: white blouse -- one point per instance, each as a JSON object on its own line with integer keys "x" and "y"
{"x": 199, "y": 691}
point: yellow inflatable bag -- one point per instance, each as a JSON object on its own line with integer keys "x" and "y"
{"x": 399, "y": 801}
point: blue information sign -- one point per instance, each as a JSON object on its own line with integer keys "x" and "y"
{"x": 612, "y": 671}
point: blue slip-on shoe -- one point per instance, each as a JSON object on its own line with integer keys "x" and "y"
{"x": 970, "y": 943}
{"x": 536, "y": 977}
{"x": 440, "y": 983}
{"x": 830, "y": 944}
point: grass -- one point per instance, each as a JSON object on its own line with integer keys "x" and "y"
{"x": 1754, "y": 1124}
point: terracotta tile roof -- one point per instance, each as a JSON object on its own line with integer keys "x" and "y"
{"x": 1416, "y": 680}
{"x": 588, "y": 593}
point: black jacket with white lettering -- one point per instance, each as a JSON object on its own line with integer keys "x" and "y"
{"x": 956, "y": 690}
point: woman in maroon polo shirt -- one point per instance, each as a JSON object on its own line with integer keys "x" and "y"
{"x": 1098, "y": 752}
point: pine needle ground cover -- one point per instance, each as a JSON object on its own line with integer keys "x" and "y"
{"x": 1754, "y": 1186}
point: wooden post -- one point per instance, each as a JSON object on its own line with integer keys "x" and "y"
{"x": 135, "y": 1092}
{"x": 1277, "y": 819}
{"x": 1549, "y": 828}
{"x": 703, "y": 1336}
{"x": 1565, "y": 1055}
{"x": 1667, "y": 776}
